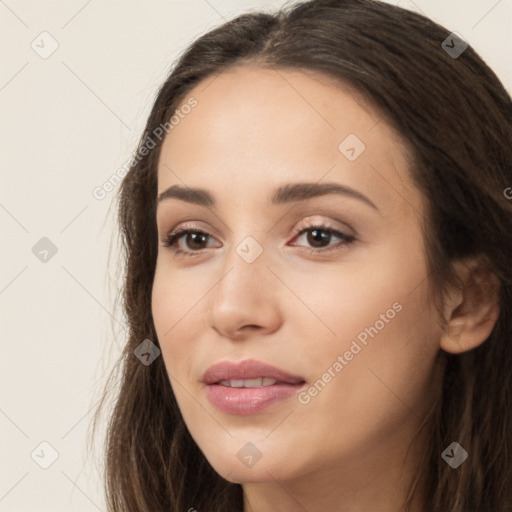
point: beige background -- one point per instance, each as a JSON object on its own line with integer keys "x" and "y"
{"x": 69, "y": 121}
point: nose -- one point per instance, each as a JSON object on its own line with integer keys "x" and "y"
{"x": 245, "y": 300}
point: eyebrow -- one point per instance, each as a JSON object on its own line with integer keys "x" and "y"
{"x": 292, "y": 192}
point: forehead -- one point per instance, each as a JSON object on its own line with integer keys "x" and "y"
{"x": 256, "y": 129}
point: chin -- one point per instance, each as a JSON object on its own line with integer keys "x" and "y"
{"x": 234, "y": 471}
{"x": 249, "y": 475}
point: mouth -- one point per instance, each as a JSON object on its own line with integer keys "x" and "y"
{"x": 250, "y": 372}
{"x": 248, "y": 387}
{"x": 249, "y": 383}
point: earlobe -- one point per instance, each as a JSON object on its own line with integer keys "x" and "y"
{"x": 471, "y": 313}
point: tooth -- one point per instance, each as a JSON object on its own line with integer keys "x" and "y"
{"x": 252, "y": 383}
{"x": 248, "y": 383}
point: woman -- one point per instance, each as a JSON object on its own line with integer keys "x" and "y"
{"x": 318, "y": 239}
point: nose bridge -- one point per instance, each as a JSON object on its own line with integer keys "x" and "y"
{"x": 245, "y": 285}
{"x": 247, "y": 238}
{"x": 245, "y": 265}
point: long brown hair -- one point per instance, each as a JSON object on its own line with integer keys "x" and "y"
{"x": 456, "y": 117}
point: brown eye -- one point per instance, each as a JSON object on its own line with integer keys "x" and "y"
{"x": 193, "y": 240}
{"x": 318, "y": 237}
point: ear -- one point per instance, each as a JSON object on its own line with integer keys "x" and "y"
{"x": 471, "y": 313}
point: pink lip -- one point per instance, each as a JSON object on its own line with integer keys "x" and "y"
{"x": 244, "y": 401}
{"x": 248, "y": 369}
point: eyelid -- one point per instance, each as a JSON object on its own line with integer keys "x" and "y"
{"x": 313, "y": 221}
{"x": 307, "y": 221}
{"x": 189, "y": 226}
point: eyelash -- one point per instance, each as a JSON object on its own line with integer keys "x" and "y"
{"x": 170, "y": 240}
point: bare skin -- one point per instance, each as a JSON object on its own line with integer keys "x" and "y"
{"x": 343, "y": 448}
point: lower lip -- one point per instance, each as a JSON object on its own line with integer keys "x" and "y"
{"x": 244, "y": 401}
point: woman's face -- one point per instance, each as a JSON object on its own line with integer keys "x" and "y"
{"x": 343, "y": 307}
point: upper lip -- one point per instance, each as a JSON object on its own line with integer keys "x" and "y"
{"x": 248, "y": 369}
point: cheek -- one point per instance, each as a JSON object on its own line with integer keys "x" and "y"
{"x": 172, "y": 305}
{"x": 378, "y": 372}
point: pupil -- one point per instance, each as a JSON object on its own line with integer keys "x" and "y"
{"x": 195, "y": 237}
{"x": 315, "y": 238}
